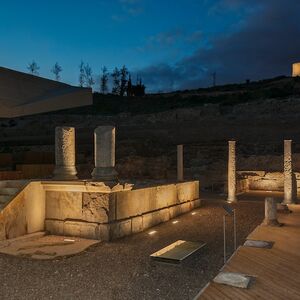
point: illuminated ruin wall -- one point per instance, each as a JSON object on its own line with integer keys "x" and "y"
{"x": 94, "y": 210}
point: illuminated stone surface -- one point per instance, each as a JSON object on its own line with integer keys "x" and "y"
{"x": 231, "y": 172}
{"x": 65, "y": 154}
{"x": 93, "y": 210}
{"x": 104, "y": 143}
{"x": 288, "y": 173}
{"x": 296, "y": 69}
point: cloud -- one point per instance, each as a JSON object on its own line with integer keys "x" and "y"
{"x": 130, "y": 8}
{"x": 171, "y": 39}
{"x": 264, "y": 46}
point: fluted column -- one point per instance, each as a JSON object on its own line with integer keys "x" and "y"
{"x": 231, "y": 172}
{"x": 180, "y": 162}
{"x": 288, "y": 173}
{"x": 104, "y": 151}
{"x": 65, "y": 168}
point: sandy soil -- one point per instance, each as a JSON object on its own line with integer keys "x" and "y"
{"x": 123, "y": 270}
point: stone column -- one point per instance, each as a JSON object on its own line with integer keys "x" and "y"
{"x": 104, "y": 147}
{"x": 270, "y": 212}
{"x": 65, "y": 154}
{"x": 288, "y": 173}
{"x": 180, "y": 162}
{"x": 231, "y": 172}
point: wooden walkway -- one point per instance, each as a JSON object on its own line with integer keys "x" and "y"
{"x": 277, "y": 270}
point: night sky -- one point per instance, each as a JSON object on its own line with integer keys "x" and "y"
{"x": 172, "y": 44}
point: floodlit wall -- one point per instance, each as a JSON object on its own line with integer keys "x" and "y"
{"x": 94, "y": 211}
{"x": 24, "y": 214}
{"x": 265, "y": 181}
{"x": 106, "y": 216}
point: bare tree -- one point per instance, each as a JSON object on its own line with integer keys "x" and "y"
{"x": 56, "y": 71}
{"x": 33, "y": 68}
{"x": 104, "y": 80}
{"x": 81, "y": 74}
{"x": 89, "y": 79}
{"x": 124, "y": 79}
{"x": 116, "y": 81}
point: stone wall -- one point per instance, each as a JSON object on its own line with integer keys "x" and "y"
{"x": 106, "y": 216}
{"x": 24, "y": 214}
{"x": 265, "y": 181}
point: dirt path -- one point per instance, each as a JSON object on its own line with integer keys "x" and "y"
{"x": 123, "y": 269}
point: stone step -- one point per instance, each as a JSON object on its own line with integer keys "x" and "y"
{"x": 8, "y": 191}
{"x": 12, "y": 183}
{"x": 4, "y": 198}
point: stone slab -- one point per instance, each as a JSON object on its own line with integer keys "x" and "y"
{"x": 177, "y": 251}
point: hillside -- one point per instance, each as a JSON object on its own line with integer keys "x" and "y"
{"x": 258, "y": 115}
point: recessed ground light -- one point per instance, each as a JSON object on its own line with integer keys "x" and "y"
{"x": 175, "y": 222}
{"x": 69, "y": 240}
{"x": 193, "y": 213}
{"x": 152, "y": 232}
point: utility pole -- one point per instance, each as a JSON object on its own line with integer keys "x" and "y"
{"x": 214, "y": 78}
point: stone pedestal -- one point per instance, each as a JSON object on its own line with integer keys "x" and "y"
{"x": 180, "y": 162}
{"x": 231, "y": 172}
{"x": 65, "y": 154}
{"x": 288, "y": 173}
{"x": 270, "y": 212}
{"x": 104, "y": 147}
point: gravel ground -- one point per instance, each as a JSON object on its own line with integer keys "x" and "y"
{"x": 123, "y": 270}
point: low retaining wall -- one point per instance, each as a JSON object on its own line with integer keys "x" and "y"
{"x": 106, "y": 216}
{"x": 94, "y": 210}
{"x": 265, "y": 181}
{"x": 24, "y": 214}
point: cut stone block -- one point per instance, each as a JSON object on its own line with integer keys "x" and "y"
{"x": 197, "y": 203}
{"x": 185, "y": 207}
{"x": 120, "y": 229}
{"x": 238, "y": 280}
{"x": 103, "y": 232}
{"x": 175, "y": 211}
{"x": 164, "y": 215}
{"x": 63, "y": 205}
{"x": 137, "y": 224}
{"x": 55, "y": 226}
{"x": 166, "y": 196}
{"x": 151, "y": 219}
{"x": 72, "y": 228}
{"x": 129, "y": 204}
{"x": 187, "y": 191}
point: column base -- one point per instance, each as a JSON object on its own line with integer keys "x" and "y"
{"x": 288, "y": 201}
{"x": 231, "y": 199}
{"x": 104, "y": 174}
{"x": 65, "y": 173}
{"x": 271, "y": 223}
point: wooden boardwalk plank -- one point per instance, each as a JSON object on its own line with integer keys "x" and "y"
{"x": 277, "y": 269}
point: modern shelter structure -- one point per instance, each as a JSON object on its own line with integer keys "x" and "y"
{"x": 25, "y": 94}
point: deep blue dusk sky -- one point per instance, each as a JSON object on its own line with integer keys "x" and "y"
{"x": 171, "y": 44}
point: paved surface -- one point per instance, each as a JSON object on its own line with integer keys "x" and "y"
{"x": 276, "y": 270}
{"x": 47, "y": 247}
{"x": 123, "y": 270}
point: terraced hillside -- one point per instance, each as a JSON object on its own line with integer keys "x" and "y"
{"x": 258, "y": 115}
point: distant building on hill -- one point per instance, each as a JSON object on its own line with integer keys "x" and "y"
{"x": 296, "y": 69}
{"x": 24, "y": 94}
{"x": 135, "y": 90}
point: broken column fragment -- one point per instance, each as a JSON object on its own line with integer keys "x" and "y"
{"x": 65, "y": 168}
{"x": 104, "y": 147}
